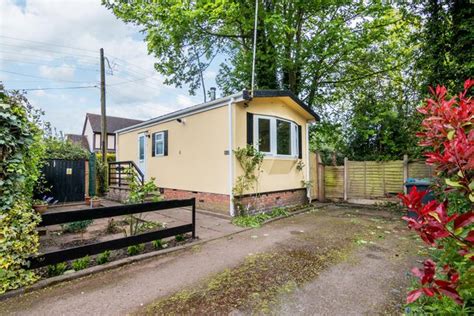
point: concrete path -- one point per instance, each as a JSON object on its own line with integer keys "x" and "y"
{"x": 135, "y": 287}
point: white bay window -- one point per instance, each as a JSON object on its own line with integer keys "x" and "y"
{"x": 275, "y": 136}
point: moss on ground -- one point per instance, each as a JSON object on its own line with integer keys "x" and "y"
{"x": 254, "y": 285}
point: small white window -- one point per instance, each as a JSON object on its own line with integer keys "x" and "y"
{"x": 276, "y": 136}
{"x": 97, "y": 141}
{"x": 111, "y": 142}
{"x": 160, "y": 144}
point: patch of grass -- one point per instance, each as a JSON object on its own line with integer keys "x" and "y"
{"x": 81, "y": 264}
{"x": 257, "y": 220}
{"x": 103, "y": 257}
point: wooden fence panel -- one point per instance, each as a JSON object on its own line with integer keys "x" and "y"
{"x": 356, "y": 174}
{"x": 371, "y": 179}
{"x": 419, "y": 169}
{"x": 334, "y": 182}
{"x": 393, "y": 176}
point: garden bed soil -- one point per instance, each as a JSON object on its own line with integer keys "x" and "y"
{"x": 116, "y": 254}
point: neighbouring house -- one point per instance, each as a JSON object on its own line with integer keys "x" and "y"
{"x": 190, "y": 152}
{"x": 80, "y": 140}
{"x": 91, "y": 132}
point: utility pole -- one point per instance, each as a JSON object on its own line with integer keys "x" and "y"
{"x": 103, "y": 135}
{"x": 252, "y": 85}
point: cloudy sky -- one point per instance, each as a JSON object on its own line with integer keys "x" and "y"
{"x": 51, "y": 48}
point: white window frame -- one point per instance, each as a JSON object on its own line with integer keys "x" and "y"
{"x": 273, "y": 136}
{"x": 155, "y": 141}
{"x": 140, "y": 137}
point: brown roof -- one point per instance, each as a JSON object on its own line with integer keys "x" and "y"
{"x": 113, "y": 123}
{"x": 78, "y": 139}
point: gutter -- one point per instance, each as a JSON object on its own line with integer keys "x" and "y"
{"x": 231, "y": 157}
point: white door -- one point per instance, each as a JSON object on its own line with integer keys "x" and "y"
{"x": 142, "y": 153}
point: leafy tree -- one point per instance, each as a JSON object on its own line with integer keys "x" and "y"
{"x": 301, "y": 45}
{"x": 345, "y": 58}
{"x": 448, "y": 38}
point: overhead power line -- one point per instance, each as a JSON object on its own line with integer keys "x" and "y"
{"x": 49, "y": 50}
{"x": 57, "y": 88}
{"x": 33, "y": 76}
{"x": 46, "y": 43}
{"x": 20, "y": 61}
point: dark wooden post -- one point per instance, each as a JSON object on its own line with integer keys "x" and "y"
{"x": 119, "y": 175}
{"x": 194, "y": 218}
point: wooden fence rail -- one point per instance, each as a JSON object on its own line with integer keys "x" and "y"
{"x": 96, "y": 248}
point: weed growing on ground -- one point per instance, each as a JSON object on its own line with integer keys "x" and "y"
{"x": 257, "y": 220}
{"x": 135, "y": 249}
{"x": 103, "y": 257}
{"x": 81, "y": 264}
{"x": 57, "y": 269}
{"x": 179, "y": 238}
{"x": 157, "y": 244}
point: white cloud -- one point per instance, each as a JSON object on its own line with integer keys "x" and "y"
{"x": 184, "y": 101}
{"x": 87, "y": 25}
{"x": 63, "y": 72}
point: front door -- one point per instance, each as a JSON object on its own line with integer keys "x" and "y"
{"x": 142, "y": 153}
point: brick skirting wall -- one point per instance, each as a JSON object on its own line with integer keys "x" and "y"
{"x": 220, "y": 202}
{"x": 269, "y": 200}
{"x": 207, "y": 201}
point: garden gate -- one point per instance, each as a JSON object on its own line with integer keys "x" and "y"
{"x": 66, "y": 178}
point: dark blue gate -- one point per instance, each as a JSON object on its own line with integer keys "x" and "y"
{"x": 66, "y": 178}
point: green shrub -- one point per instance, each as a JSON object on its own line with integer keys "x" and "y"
{"x": 157, "y": 244}
{"x": 103, "y": 257}
{"x": 21, "y": 159}
{"x": 57, "y": 148}
{"x": 135, "y": 249}
{"x": 57, "y": 269}
{"x": 179, "y": 238}
{"x": 101, "y": 177}
{"x": 76, "y": 227}
{"x": 81, "y": 264}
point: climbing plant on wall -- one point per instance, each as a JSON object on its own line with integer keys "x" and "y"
{"x": 250, "y": 159}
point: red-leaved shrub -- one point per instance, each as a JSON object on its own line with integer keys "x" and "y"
{"x": 448, "y": 132}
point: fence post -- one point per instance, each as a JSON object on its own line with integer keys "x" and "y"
{"x": 92, "y": 174}
{"x": 86, "y": 189}
{"x": 320, "y": 167}
{"x": 346, "y": 178}
{"x": 194, "y": 218}
{"x": 405, "y": 172}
